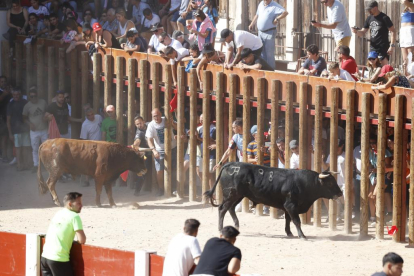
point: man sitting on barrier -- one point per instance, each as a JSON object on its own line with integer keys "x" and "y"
{"x": 59, "y": 238}
{"x": 314, "y": 64}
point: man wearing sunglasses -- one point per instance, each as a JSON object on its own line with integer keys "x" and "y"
{"x": 154, "y": 46}
{"x": 33, "y": 115}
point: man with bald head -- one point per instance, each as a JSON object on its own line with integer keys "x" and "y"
{"x": 156, "y": 139}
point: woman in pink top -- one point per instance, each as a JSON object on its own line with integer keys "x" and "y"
{"x": 203, "y": 28}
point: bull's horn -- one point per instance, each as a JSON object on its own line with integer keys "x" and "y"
{"x": 145, "y": 149}
{"x": 333, "y": 172}
{"x": 321, "y": 175}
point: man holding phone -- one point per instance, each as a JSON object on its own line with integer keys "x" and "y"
{"x": 337, "y": 22}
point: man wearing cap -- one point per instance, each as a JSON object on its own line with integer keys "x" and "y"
{"x": 154, "y": 45}
{"x": 111, "y": 24}
{"x": 102, "y": 38}
{"x": 108, "y": 127}
{"x": 251, "y": 61}
{"x": 379, "y": 25}
{"x": 294, "y": 159}
{"x": 337, "y": 22}
{"x": 179, "y": 36}
{"x": 268, "y": 14}
{"x": 236, "y": 41}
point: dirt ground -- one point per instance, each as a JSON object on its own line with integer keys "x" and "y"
{"x": 265, "y": 248}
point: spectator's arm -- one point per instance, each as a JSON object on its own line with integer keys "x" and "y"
{"x": 9, "y": 126}
{"x": 251, "y": 158}
{"x": 196, "y": 260}
{"x": 375, "y": 76}
{"x": 408, "y": 4}
{"x": 361, "y": 32}
{"x": 283, "y": 15}
{"x": 388, "y": 164}
{"x": 393, "y": 35}
{"x": 391, "y": 82}
{"x": 256, "y": 66}
{"x": 5, "y": 93}
{"x": 151, "y": 144}
{"x": 80, "y": 235}
{"x": 237, "y": 58}
{"x": 174, "y": 124}
{"x": 223, "y": 158}
{"x": 26, "y": 20}
{"x": 48, "y": 116}
{"x": 174, "y": 73}
{"x": 234, "y": 266}
{"x": 325, "y": 26}
{"x": 199, "y": 66}
{"x": 137, "y": 142}
{"x": 251, "y": 26}
{"x": 229, "y": 54}
{"x": 325, "y": 166}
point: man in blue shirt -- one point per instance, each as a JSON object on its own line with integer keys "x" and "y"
{"x": 267, "y": 16}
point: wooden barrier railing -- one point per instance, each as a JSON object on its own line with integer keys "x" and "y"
{"x": 281, "y": 91}
{"x": 12, "y": 254}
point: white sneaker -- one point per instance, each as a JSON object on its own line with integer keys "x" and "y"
{"x": 14, "y": 161}
{"x": 239, "y": 207}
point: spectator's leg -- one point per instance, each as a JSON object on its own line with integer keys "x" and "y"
{"x": 372, "y": 201}
{"x": 12, "y": 37}
{"x": 357, "y": 193}
{"x": 35, "y": 139}
{"x": 174, "y": 19}
{"x": 168, "y": 24}
{"x": 269, "y": 47}
{"x": 159, "y": 167}
{"x": 181, "y": 24}
{"x": 19, "y": 151}
{"x": 46, "y": 271}
{"x": 27, "y": 151}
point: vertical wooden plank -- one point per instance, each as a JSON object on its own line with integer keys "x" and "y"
{"x": 219, "y": 128}
{"x": 119, "y": 103}
{"x": 288, "y": 122}
{"x": 132, "y": 72}
{"x": 62, "y": 69}
{"x": 303, "y": 137}
{"x": 381, "y": 147}
{"x": 232, "y": 110}
{"x": 411, "y": 198}
{"x": 317, "y": 151}
{"x": 8, "y": 61}
{"x": 74, "y": 93}
{"x": 261, "y": 96}
{"x": 193, "y": 137}
{"x": 40, "y": 72}
{"x": 274, "y": 119}
{"x": 97, "y": 69}
{"x": 51, "y": 74}
{"x": 84, "y": 79}
{"x": 349, "y": 160}
{"x": 3, "y": 55}
{"x": 29, "y": 66}
{"x": 143, "y": 89}
{"x": 19, "y": 65}
{"x": 155, "y": 77}
{"x": 180, "y": 131}
{"x": 247, "y": 84}
{"x": 168, "y": 131}
{"x": 333, "y": 212}
{"x": 365, "y": 148}
{"x": 108, "y": 80}
{"x": 398, "y": 152}
{"x": 206, "y": 132}
{"x": 404, "y": 168}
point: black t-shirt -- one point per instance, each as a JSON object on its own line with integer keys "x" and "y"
{"x": 260, "y": 60}
{"x": 216, "y": 257}
{"x": 61, "y": 115}
{"x": 60, "y": 27}
{"x": 15, "y": 111}
{"x": 378, "y": 26}
{"x": 3, "y": 105}
{"x": 140, "y": 134}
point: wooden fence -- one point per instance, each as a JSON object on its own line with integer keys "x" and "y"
{"x": 283, "y": 93}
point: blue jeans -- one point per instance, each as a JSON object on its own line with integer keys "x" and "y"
{"x": 269, "y": 47}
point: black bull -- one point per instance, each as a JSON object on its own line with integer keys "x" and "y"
{"x": 293, "y": 191}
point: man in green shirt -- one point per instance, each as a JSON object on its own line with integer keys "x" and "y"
{"x": 108, "y": 127}
{"x": 59, "y": 238}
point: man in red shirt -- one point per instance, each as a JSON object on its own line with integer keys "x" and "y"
{"x": 347, "y": 62}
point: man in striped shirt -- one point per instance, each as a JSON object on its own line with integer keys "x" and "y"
{"x": 252, "y": 156}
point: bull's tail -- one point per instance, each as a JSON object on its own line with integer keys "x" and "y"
{"x": 42, "y": 185}
{"x": 208, "y": 195}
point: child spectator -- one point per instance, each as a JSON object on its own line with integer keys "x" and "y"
{"x": 71, "y": 31}
{"x": 130, "y": 45}
{"x": 56, "y": 28}
{"x": 81, "y": 39}
{"x": 314, "y": 64}
{"x": 175, "y": 55}
{"x": 252, "y": 156}
{"x": 337, "y": 73}
{"x": 193, "y": 59}
{"x": 374, "y": 68}
{"x": 209, "y": 55}
{"x": 202, "y": 28}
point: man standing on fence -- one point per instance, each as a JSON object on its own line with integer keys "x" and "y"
{"x": 268, "y": 14}
{"x": 59, "y": 238}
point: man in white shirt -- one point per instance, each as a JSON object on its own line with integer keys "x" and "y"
{"x": 294, "y": 159}
{"x": 156, "y": 140}
{"x": 338, "y": 23}
{"x": 149, "y": 19}
{"x": 166, "y": 40}
{"x": 236, "y": 41}
{"x": 175, "y": 55}
{"x": 183, "y": 251}
{"x": 154, "y": 45}
{"x": 138, "y": 8}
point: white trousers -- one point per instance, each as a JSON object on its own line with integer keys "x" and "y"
{"x": 36, "y": 139}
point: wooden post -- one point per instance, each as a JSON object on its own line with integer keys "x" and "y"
{"x": 155, "y": 76}
{"x": 40, "y": 72}
{"x": 333, "y": 165}
{"x": 132, "y": 72}
{"x": 247, "y": 85}
{"x": 381, "y": 147}
{"x": 74, "y": 93}
{"x": 219, "y": 129}
{"x": 193, "y": 138}
{"x": 365, "y": 147}
{"x": 119, "y": 90}
{"x": 29, "y": 67}
{"x": 303, "y": 137}
{"x": 398, "y": 157}
{"x": 8, "y": 61}
{"x": 317, "y": 155}
{"x": 97, "y": 69}
{"x": 84, "y": 79}
{"x": 62, "y": 69}
{"x": 19, "y": 65}
{"x": 261, "y": 96}
{"x": 206, "y": 132}
{"x": 180, "y": 131}
{"x": 274, "y": 118}
{"x": 288, "y": 122}
{"x": 3, "y": 55}
{"x": 232, "y": 110}
{"x": 108, "y": 80}
{"x": 411, "y": 198}
{"x": 168, "y": 131}
{"x": 51, "y": 74}
{"x": 143, "y": 89}
{"x": 349, "y": 160}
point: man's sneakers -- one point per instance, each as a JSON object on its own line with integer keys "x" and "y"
{"x": 14, "y": 161}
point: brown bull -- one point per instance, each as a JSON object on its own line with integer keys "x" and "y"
{"x": 103, "y": 161}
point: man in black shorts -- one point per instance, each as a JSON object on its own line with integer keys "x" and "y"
{"x": 220, "y": 257}
{"x": 141, "y": 142}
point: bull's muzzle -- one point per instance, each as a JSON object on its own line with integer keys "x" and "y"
{"x": 141, "y": 173}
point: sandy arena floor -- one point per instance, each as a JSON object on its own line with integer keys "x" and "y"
{"x": 265, "y": 248}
